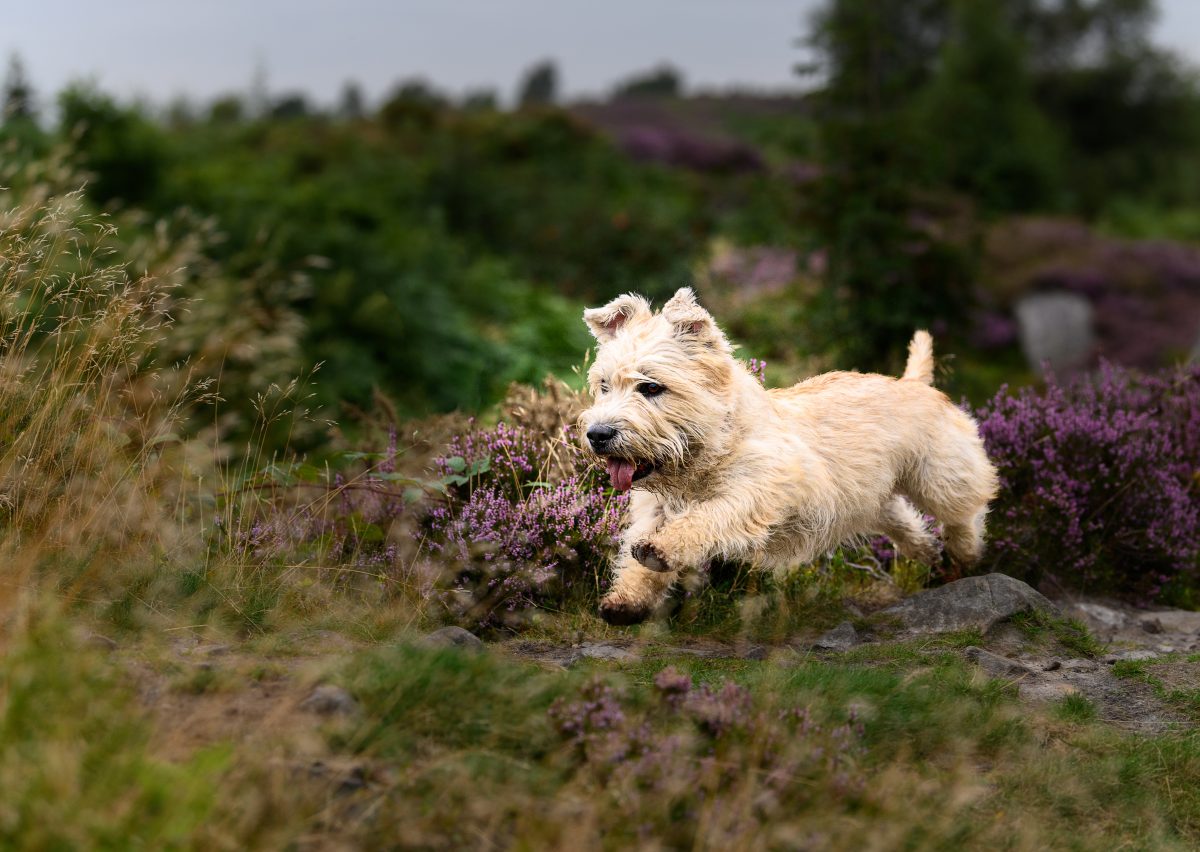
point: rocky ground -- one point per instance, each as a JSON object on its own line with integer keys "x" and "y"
{"x": 1127, "y": 668}
{"x": 1046, "y": 659}
{"x": 1089, "y": 677}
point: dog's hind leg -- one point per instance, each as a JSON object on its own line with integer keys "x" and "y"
{"x": 964, "y": 540}
{"x": 903, "y": 524}
{"x": 955, "y": 484}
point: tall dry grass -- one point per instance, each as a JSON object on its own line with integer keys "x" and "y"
{"x": 90, "y": 451}
{"x": 97, "y": 483}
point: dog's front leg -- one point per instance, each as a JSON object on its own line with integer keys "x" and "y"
{"x": 636, "y": 590}
{"x": 733, "y": 526}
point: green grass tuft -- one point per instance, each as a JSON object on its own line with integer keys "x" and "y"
{"x": 1075, "y": 708}
{"x": 1071, "y": 635}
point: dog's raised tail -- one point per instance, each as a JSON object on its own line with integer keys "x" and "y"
{"x": 920, "y": 359}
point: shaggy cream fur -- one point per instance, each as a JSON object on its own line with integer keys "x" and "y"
{"x": 721, "y": 467}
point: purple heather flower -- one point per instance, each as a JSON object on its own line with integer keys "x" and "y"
{"x": 533, "y": 526}
{"x": 1098, "y": 480}
{"x": 673, "y": 685}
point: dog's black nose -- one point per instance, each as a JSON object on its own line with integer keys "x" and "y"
{"x": 599, "y": 435}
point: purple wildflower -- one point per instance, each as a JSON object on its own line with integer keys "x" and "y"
{"x": 1098, "y": 481}
{"x": 531, "y": 527}
{"x": 758, "y": 369}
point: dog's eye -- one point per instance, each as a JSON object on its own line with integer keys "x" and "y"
{"x": 650, "y": 388}
{"x": 604, "y": 387}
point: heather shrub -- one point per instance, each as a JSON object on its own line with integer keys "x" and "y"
{"x": 703, "y": 753}
{"x": 290, "y": 509}
{"x": 1100, "y": 482}
{"x": 290, "y": 536}
{"x": 497, "y": 522}
{"x": 528, "y": 519}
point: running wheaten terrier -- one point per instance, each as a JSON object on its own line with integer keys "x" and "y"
{"x": 721, "y": 467}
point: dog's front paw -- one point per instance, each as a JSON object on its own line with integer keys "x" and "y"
{"x": 647, "y": 554}
{"x": 622, "y": 613}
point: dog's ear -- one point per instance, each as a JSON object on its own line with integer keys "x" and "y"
{"x": 605, "y": 322}
{"x": 691, "y": 321}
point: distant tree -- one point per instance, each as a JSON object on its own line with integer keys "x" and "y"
{"x": 1077, "y": 33}
{"x": 987, "y": 136}
{"x": 876, "y": 54}
{"x": 661, "y": 82}
{"x": 1130, "y": 111}
{"x": 227, "y": 109}
{"x": 887, "y": 273}
{"x": 1125, "y": 114}
{"x": 480, "y": 99}
{"x": 180, "y": 112}
{"x": 291, "y": 105}
{"x": 125, "y": 152}
{"x": 417, "y": 90}
{"x": 540, "y": 85}
{"x": 18, "y": 93}
{"x": 412, "y": 103}
{"x": 352, "y": 104}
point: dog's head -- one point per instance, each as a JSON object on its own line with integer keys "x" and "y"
{"x": 661, "y": 388}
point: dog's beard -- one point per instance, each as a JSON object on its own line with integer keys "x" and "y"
{"x": 625, "y": 467}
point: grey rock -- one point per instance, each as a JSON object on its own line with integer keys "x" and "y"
{"x": 841, "y": 638}
{"x": 330, "y": 700}
{"x": 1052, "y": 666}
{"x": 1128, "y": 627}
{"x": 1178, "y": 621}
{"x": 979, "y": 602}
{"x": 1128, "y": 704}
{"x": 1080, "y": 665}
{"x": 1099, "y": 617}
{"x": 1046, "y": 690}
{"x": 602, "y": 651}
{"x": 1133, "y": 655}
{"x": 453, "y": 637}
{"x": 994, "y": 664}
{"x": 1056, "y": 330}
{"x": 546, "y": 653}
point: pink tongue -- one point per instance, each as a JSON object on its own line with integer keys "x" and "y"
{"x": 621, "y": 474}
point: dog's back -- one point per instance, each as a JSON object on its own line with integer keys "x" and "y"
{"x": 883, "y": 435}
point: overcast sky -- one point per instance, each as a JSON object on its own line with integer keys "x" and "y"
{"x": 164, "y": 48}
